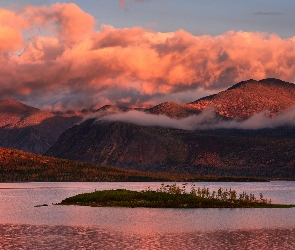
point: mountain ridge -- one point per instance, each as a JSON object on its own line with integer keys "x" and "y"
{"x": 246, "y": 98}
{"x": 155, "y": 148}
{"x": 240, "y": 101}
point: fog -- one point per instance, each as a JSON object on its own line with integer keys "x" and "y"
{"x": 205, "y": 120}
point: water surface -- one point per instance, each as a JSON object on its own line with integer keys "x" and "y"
{"x": 58, "y": 227}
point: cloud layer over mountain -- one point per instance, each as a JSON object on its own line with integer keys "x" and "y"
{"x": 59, "y": 58}
{"x": 205, "y": 120}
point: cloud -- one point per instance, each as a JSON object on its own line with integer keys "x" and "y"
{"x": 54, "y": 57}
{"x": 269, "y": 13}
{"x": 122, "y": 3}
{"x": 205, "y": 120}
{"x": 10, "y": 35}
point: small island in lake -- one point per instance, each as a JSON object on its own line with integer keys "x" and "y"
{"x": 171, "y": 196}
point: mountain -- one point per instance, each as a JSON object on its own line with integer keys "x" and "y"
{"x": 249, "y": 97}
{"x": 266, "y": 152}
{"x": 174, "y": 110}
{"x": 171, "y": 150}
{"x": 226, "y": 153}
{"x": 240, "y": 101}
{"x": 30, "y": 129}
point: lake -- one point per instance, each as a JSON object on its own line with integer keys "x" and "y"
{"x": 23, "y": 226}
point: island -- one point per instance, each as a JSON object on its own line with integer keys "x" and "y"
{"x": 171, "y": 196}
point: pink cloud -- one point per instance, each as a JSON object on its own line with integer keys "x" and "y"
{"x": 65, "y": 63}
{"x": 10, "y": 34}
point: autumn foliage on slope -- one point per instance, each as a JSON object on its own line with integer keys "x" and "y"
{"x": 18, "y": 166}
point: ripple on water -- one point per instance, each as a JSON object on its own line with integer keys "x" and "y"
{"x": 68, "y": 237}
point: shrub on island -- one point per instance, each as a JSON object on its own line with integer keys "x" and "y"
{"x": 171, "y": 196}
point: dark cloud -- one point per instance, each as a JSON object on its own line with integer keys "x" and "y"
{"x": 271, "y": 13}
{"x": 122, "y": 3}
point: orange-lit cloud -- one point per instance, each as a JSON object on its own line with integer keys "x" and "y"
{"x": 54, "y": 57}
{"x": 10, "y": 35}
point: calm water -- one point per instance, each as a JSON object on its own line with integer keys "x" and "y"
{"x": 23, "y": 226}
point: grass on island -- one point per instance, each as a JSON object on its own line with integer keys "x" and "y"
{"x": 171, "y": 196}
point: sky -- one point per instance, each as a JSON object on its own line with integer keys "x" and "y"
{"x": 80, "y": 54}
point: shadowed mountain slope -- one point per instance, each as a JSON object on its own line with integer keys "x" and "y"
{"x": 171, "y": 150}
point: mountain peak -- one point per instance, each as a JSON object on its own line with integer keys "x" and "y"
{"x": 246, "y": 98}
{"x": 276, "y": 81}
{"x": 16, "y": 108}
{"x": 17, "y": 114}
{"x": 266, "y": 81}
{"x": 15, "y": 104}
{"x": 28, "y": 128}
{"x": 242, "y": 83}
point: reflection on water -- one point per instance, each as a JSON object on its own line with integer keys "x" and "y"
{"x": 66, "y": 237}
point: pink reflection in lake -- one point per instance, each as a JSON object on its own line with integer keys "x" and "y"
{"x": 69, "y": 237}
{"x": 18, "y": 201}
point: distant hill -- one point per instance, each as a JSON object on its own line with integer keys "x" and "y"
{"x": 30, "y": 129}
{"x": 19, "y": 166}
